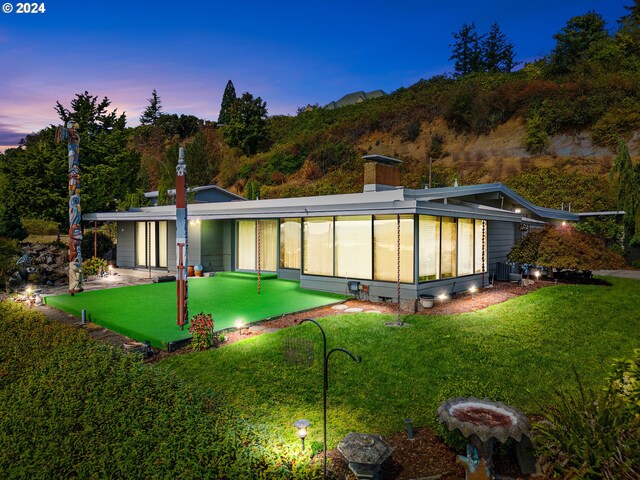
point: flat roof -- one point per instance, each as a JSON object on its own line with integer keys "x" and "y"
{"x": 382, "y": 159}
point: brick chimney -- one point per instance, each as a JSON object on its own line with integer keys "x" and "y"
{"x": 381, "y": 173}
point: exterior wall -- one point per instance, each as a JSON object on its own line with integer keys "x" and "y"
{"x": 126, "y": 244}
{"x": 228, "y": 245}
{"x": 288, "y": 274}
{"x": 212, "y": 245}
{"x": 195, "y": 243}
{"x": 501, "y": 237}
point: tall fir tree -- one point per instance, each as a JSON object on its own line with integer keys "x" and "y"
{"x": 467, "y": 51}
{"x": 247, "y": 125}
{"x": 152, "y": 112}
{"x": 228, "y": 99}
{"x": 497, "y": 52}
{"x": 574, "y": 40}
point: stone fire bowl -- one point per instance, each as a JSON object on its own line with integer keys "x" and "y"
{"x": 364, "y": 449}
{"x": 485, "y": 418}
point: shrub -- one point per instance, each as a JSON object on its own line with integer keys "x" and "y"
{"x": 75, "y": 408}
{"x": 589, "y": 436}
{"x": 8, "y": 255}
{"x": 536, "y": 140}
{"x": 92, "y": 266}
{"x": 35, "y": 226}
{"x": 201, "y": 329}
{"x": 413, "y": 131}
{"x": 105, "y": 244}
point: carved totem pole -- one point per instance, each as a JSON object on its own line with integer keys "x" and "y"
{"x": 182, "y": 240}
{"x": 70, "y": 134}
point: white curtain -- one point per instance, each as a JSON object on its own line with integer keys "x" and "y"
{"x": 318, "y": 246}
{"x": 353, "y": 247}
{"x": 162, "y": 243}
{"x": 269, "y": 245}
{"x": 246, "y": 244}
{"x": 429, "y": 248}
{"x": 290, "y": 243}
{"x": 385, "y": 248}
{"x": 448, "y": 249}
{"x": 141, "y": 244}
{"x": 465, "y": 246}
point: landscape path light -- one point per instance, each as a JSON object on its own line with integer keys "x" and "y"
{"x": 302, "y": 426}
{"x": 473, "y": 291}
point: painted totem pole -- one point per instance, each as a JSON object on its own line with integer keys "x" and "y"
{"x": 182, "y": 239}
{"x": 70, "y": 134}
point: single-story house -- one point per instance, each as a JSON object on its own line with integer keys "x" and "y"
{"x": 450, "y": 238}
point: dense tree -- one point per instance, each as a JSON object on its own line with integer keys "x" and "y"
{"x": 467, "y": 51}
{"x": 497, "y": 52}
{"x": 228, "y": 98}
{"x": 574, "y": 40}
{"x": 247, "y": 125}
{"x": 183, "y": 126}
{"x": 38, "y": 172}
{"x": 628, "y": 34}
{"x": 628, "y": 191}
{"x": 92, "y": 115}
{"x": 152, "y": 112}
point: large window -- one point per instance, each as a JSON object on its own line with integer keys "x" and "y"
{"x": 248, "y": 244}
{"x": 481, "y": 246}
{"x": 151, "y": 244}
{"x": 353, "y": 247}
{"x": 385, "y": 248}
{"x": 448, "y": 247}
{"x": 465, "y": 246}
{"x": 290, "y": 243}
{"x": 429, "y": 248}
{"x": 318, "y": 246}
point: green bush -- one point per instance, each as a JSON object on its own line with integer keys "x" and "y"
{"x": 75, "y": 408}
{"x": 536, "y": 140}
{"x": 9, "y": 252}
{"x": 105, "y": 243}
{"x": 589, "y": 436}
{"x": 35, "y": 226}
{"x": 92, "y": 265}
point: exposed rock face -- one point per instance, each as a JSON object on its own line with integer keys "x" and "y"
{"x": 50, "y": 262}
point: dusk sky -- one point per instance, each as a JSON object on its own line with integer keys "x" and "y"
{"x": 288, "y": 53}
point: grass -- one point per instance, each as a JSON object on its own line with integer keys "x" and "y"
{"x": 518, "y": 351}
{"x": 148, "y": 312}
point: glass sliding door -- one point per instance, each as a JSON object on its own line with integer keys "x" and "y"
{"x": 268, "y": 245}
{"x": 290, "y": 251}
{"x": 429, "y": 248}
{"x": 448, "y": 248}
{"x": 151, "y": 244}
{"x": 246, "y": 244}
{"x": 353, "y": 247}
{"x": 318, "y": 246}
{"x": 465, "y": 246}
{"x": 385, "y": 248}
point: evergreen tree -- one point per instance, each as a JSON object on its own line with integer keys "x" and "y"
{"x": 628, "y": 190}
{"x": 92, "y": 116}
{"x": 228, "y": 99}
{"x": 628, "y": 34}
{"x": 152, "y": 112}
{"x": 497, "y": 52}
{"x": 467, "y": 51}
{"x": 247, "y": 125}
{"x": 574, "y": 40}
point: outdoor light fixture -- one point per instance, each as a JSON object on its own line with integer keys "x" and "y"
{"x": 473, "y": 291}
{"x": 29, "y": 291}
{"x": 442, "y": 297}
{"x": 564, "y": 224}
{"x": 239, "y": 325}
{"x": 537, "y": 274}
{"x": 409, "y": 423}
{"x": 517, "y": 210}
{"x": 302, "y": 425}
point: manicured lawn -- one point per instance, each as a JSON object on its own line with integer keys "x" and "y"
{"x": 148, "y": 312}
{"x": 518, "y": 351}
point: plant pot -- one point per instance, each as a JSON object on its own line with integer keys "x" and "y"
{"x": 198, "y": 270}
{"x": 190, "y": 271}
{"x": 426, "y": 301}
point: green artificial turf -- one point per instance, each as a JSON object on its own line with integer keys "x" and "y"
{"x": 148, "y": 312}
{"x": 518, "y": 351}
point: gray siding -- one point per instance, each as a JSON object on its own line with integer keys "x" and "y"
{"x": 126, "y": 244}
{"x": 212, "y": 246}
{"x": 228, "y": 245}
{"x": 195, "y": 257}
{"x": 289, "y": 274}
{"x": 501, "y": 237}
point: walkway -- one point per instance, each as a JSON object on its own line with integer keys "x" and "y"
{"x": 633, "y": 274}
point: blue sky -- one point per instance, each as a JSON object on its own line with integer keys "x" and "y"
{"x": 288, "y": 53}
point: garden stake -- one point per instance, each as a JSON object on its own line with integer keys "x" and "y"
{"x": 325, "y": 360}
